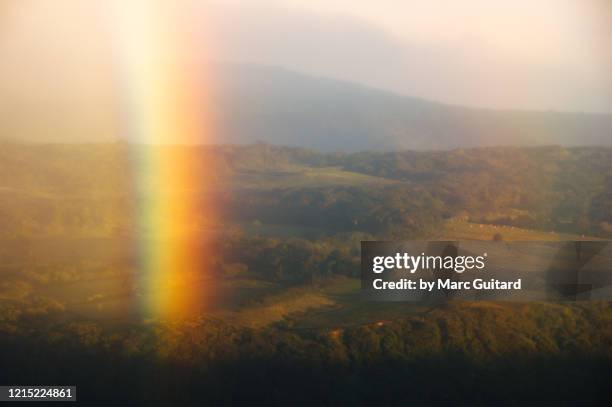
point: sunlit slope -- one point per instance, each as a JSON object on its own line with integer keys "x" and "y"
{"x": 455, "y": 229}
{"x": 297, "y": 176}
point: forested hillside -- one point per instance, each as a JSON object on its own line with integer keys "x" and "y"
{"x": 281, "y": 317}
{"x": 83, "y": 189}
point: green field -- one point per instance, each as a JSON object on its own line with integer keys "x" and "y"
{"x": 304, "y": 177}
{"x": 463, "y": 230}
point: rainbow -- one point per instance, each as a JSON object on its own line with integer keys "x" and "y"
{"x": 163, "y": 87}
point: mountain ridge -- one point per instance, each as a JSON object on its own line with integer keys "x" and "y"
{"x": 284, "y": 107}
{"x": 250, "y": 103}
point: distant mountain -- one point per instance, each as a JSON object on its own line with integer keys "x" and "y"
{"x": 284, "y": 107}
{"x": 256, "y": 103}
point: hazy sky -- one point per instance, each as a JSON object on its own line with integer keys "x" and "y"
{"x": 527, "y": 54}
{"x": 543, "y": 54}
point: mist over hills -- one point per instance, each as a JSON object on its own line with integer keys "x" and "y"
{"x": 251, "y": 103}
{"x": 284, "y": 107}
